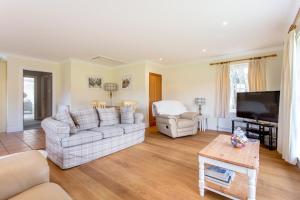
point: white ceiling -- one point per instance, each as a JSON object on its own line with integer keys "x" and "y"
{"x": 130, "y": 30}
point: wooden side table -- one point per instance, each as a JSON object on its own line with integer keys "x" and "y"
{"x": 245, "y": 163}
{"x": 202, "y": 123}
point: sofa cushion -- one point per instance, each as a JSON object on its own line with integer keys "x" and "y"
{"x": 86, "y": 119}
{"x": 129, "y": 128}
{"x": 109, "y": 131}
{"x": 138, "y": 118}
{"x": 82, "y": 137}
{"x": 64, "y": 116}
{"x": 184, "y": 123}
{"x": 127, "y": 115}
{"x": 108, "y": 116}
{"x": 45, "y": 191}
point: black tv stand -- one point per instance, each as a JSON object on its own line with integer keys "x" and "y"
{"x": 260, "y": 130}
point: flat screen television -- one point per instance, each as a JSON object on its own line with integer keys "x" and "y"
{"x": 262, "y": 106}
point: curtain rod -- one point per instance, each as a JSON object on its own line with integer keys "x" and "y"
{"x": 294, "y": 25}
{"x": 252, "y": 58}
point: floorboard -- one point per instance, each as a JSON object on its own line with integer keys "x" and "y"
{"x": 159, "y": 168}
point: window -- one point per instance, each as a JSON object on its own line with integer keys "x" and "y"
{"x": 238, "y": 82}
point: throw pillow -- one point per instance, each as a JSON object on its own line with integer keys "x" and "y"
{"x": 108, "y": 116}
{"x": 127, "y": 115}
{"x": 138, "y": 118}
{"x": 64, "y": 116}
{"x": 86, "y": 119}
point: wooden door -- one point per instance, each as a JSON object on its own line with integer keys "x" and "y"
{"x": 155, "y": 93}
{"x": 46, "y": 95}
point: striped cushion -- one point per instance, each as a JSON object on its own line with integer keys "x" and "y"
{"x": 86, "y": 119}
{"x": 108, "y": 116}
{"x": 82, "y": 137}
{"x": 129, "y": 128}
{"x": 64, "y": 116}
{"x": 109, "y": 131}
{"x": 127, "y": 115}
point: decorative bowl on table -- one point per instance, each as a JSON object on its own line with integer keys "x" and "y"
{"x": 239, "y": 139}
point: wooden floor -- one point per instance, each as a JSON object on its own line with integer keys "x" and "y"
{"x": 162, "y": 168}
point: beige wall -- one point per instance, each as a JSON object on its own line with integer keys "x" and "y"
{"x": 181, "y": 82}
{"x": 81, "y": 94}
{"x": 3, "y": 75}
{"x": 187, "y": 81}
{"x": 15, "y": 67}
{"x": 140, "y": 83}
{"x": 137, "y": 91}
{"x": 66, "y": 82}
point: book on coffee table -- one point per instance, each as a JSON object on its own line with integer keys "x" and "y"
{"x": 219, "y": 175}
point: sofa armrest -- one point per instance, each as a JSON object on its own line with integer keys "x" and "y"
{"x": 166, "y": 119}
{"x": 57, "y": 128}
{"x": 189, "y": 115}
{"x": 21, "y": 171}
{"x": 138, "y": 118}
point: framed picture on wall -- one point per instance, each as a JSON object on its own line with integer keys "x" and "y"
{"x": 126, "y": 82}
{"x": 95, "y": 82}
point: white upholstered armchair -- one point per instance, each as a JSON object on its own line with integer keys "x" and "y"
{"x": 173, "y": 119}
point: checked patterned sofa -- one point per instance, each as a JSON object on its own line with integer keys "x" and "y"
{"x": 78, "y": 137}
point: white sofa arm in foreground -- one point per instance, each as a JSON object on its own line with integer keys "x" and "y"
{"x": 26, "y": 176}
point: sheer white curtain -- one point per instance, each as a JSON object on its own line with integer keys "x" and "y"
{"x": 257, "y": 75}
{"x": 222, "y": 90}
{"x": 288, "y": 126}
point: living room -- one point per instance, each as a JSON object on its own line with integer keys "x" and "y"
{"x": 124, "y": 66}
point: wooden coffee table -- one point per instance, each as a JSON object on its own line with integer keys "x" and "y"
{"x": 244, "y": 161}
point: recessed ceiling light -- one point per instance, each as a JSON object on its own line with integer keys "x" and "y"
{"x": 160, "y": 59}
{"x": 203, "y": 50}
{"x": 225, "y": 23}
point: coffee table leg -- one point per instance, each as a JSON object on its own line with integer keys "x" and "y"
{"x": 201, "y": 176}
{"x": 251, "y": 184}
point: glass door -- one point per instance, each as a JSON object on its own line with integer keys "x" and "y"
{"x": 29, "y": 101}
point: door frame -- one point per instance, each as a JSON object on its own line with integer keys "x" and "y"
{"x": 150, "y": 106}
{"x": 21, "y": 86}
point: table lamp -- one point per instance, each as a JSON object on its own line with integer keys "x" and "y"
{"x": 110, "y": 87}
{"x": 200, "y": 101}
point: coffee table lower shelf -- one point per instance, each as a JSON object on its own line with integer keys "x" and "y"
{"x": 237, "y": 190}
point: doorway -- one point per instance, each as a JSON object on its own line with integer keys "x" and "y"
{"x": 37, "y": 98}
{"x": 155, "y": 94}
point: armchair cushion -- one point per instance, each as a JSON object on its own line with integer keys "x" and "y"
{"x": 21, "y": 172}
{"x": 185, "y": 123}
{"x": 189, "y": 115}
{"x": 169, "y": 116}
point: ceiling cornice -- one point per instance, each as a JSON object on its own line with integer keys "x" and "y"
{"x": 255, "y": 52}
